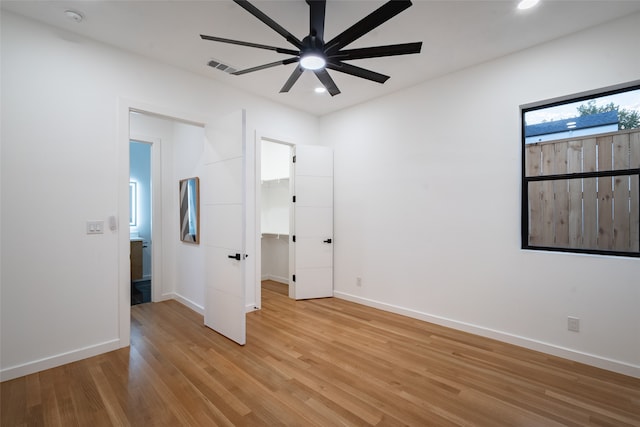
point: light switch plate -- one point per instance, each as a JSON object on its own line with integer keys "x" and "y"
{"x": 95, "y": 227}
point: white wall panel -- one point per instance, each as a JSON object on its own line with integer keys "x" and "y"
{"x": 311, "y": 281}
{"x": 313, "y": 252}
{"x": 224, "y": 223}
{"x": 318, "y": 163}
{"x": 317, "y": 221}
{"x": 314, "y": 191}
{"x": 227, "y": 173}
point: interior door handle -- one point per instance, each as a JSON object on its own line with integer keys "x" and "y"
{"x": 327, "y": 241}
{"x": 236, "y": 257}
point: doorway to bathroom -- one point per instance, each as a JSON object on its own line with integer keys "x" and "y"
{"x": 140, "y": 224}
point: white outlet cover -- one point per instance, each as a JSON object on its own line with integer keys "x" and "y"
{"x": 573, "y": 324}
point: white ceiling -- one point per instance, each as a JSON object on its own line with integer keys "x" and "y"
{"x": 455, "y": 34}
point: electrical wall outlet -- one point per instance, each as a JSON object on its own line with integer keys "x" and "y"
{"x": 358, "y": 281}
{"x": 573, "y": 324}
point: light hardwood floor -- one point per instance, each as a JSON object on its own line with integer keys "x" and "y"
{"x": 325, "y": 362}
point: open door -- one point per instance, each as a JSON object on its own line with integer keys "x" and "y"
{"x": 311, "y": 244}
{"x": 223, "y": 195}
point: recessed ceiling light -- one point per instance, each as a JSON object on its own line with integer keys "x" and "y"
{"x": 73, "y": 15}
{"x": 320, "y": 89}
{"x": 527, "y": 4}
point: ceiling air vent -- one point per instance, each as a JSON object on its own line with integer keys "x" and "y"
{"x": 220, "y": 66}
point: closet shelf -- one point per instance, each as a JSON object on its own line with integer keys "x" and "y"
{"x": 276, "y": 235}
{"x": 265, "y": 181}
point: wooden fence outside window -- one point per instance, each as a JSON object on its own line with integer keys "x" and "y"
{"x": 584, "y": 193}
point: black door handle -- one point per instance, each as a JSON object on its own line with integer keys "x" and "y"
{"x": 327, "y": 241}
{"x": 236, "y": 257}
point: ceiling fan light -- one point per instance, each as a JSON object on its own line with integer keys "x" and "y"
{"x": 312, "y": 62}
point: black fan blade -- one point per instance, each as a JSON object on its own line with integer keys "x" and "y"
{"x": 270, "y": 22}
{"x": 317, "y": 10}
{"x": 378, "y": 51}
{"x": 249, "y": 44}
{"x": 265, "y": 66}
{"x": 293, "y": 78}
{"x": 327, "y": 81}
{"x": 357, "y": 71}
{"x": 368, "y": 23}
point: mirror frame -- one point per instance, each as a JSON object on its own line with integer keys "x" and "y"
{"x": 188, "y": 219}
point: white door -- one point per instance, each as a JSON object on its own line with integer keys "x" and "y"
{"x": 223, "y": 220}
{"x": 311, "y": 255}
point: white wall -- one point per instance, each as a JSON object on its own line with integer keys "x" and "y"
{"x": 188, "y": 161}
{"x": 62, "y": 151}
{"x": 275, "y": 258}
{"x": 275, "y": 160}
{"x": 276, "y": 202}
{"x": 427, "y": 206}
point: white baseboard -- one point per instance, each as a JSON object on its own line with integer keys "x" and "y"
{"x": 566, "y": 353}
{"x": 279, "y": 279}
{"x": 185, "y": 301}
{"x": 58, "y": 360}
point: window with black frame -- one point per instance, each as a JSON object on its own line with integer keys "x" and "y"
{"x": 581, "y": 174}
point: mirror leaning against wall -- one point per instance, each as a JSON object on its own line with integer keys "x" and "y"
{"x": 190, "y": 210}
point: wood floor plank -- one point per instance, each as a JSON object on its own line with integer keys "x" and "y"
{"x": 317, "y": 363}
{"x": 116, "y": 414}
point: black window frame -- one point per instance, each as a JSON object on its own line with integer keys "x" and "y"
{"x": 526, "y": 180}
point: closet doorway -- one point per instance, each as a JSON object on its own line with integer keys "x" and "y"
{"x": 276, "y": 188}
{"x": 296, "y": 218}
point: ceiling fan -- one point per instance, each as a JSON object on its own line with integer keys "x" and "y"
{"x": 314, "y": 54}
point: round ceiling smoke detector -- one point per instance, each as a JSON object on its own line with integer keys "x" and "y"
{"x": 73, "y": 15}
